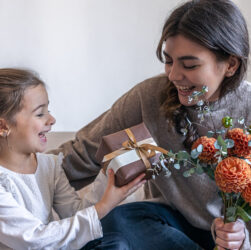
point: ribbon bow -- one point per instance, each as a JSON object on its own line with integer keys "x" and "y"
{"x": 144, "y": 151}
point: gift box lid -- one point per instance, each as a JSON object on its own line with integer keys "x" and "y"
{"x": 114, "y": 141}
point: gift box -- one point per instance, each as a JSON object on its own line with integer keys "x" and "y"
{"x": 129, "y": 153}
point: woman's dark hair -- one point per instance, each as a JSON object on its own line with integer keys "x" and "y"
{"x": 13, "y": 83}
{"x": 217, "y": 25}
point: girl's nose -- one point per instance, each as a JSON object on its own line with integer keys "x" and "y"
{"x": 51, "y": 120}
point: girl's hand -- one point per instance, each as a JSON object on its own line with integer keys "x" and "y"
{"x": 230, "y": 235}
{"x": 114, "y": 195}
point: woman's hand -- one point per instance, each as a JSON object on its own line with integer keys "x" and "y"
{"x": 230, "y": 235}
{"x": 114, "y": 195}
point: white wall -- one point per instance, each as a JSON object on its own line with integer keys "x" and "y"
{"x": 89, "y": 52}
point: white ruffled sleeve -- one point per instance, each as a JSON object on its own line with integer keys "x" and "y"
{"x": 20, "y": 229}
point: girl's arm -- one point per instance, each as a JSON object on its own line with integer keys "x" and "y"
{"x": 19, "y": 229}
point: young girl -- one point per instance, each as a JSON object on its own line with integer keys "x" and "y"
{"x": 31, "y": 183}
{"x": 203, "y": 43}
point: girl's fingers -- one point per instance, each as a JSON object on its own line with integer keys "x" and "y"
{"x": 134, "y": 188}
{"x": 134, "y": 182}
{"x": 111, "y": 177}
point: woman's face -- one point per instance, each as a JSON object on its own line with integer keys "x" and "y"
{"x": 191, "y": 66}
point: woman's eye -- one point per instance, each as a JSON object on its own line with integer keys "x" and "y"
{"x": 190, "y": 67}
{"x": 168, "y": 62}
{"x": 40, "y": 115}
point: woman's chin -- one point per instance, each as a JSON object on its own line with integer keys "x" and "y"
{"x": 184, "y": 101}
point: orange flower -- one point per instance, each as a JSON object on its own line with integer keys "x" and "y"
{"x": 232, "y": 175}
{"x": 241, "y": 147}
{"x": 246, "y": 194}
{"x": 209, "y": 150}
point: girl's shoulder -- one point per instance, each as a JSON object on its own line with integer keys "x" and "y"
{"x": 49, "y": 162}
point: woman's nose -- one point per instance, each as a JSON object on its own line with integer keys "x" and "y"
{"x": 173, "y": 72}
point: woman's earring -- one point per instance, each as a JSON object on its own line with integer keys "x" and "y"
{"x": 5, "y": 133}
{"x": 229, "y": 73}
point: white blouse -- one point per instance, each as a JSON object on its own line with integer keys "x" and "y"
{"x": 26, "y": 202}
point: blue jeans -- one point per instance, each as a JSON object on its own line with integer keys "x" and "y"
{"x": 110, "y": 241}
{"x": 154, "y": 226}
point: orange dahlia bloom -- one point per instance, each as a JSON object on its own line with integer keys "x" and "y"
{"x": 232, "y": 175}
{"x": 246, "y": 194}
{"x": 241, "y": 147}
{"x": 209, "y": 150}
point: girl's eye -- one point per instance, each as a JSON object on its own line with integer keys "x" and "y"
{"x": 40, "y": 115}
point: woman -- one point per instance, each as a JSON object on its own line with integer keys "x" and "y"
{"x": 203, "y": 43}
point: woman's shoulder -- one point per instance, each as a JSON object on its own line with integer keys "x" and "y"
{"x": 158, "y": 81}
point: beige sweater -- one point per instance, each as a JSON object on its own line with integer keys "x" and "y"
{"x": 195, "y": 197}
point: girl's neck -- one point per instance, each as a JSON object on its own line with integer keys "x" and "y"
{"x": 18, "y": 162}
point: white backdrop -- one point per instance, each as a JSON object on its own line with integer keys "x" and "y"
{"x": 89, "y": 52}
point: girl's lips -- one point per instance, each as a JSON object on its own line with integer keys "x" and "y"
{"x": 43, "y": 138}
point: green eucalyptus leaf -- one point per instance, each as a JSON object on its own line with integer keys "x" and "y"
{"x": 186, "y": 173}
{"x": 243, "y": 214}
{"x": 231, "y": 211}
{"x": 195, "y": 153}
{"x": 249, "y": 143}
{"x": 183, "y": 155}
{"x": 177, "y": 165}
{"x": 231, "y": 219}
{"x": 221, "y": 141}
{"x": 192, "y": 170}
{"x": 210, "y": 134}
{"x": 229, "y": 143}
{"x": 216, "y": 145}
{"x": 199, "y": 169}
{"x": 199, "y": 148}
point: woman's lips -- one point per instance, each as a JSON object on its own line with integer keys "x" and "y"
{"x": 185, "y": 91}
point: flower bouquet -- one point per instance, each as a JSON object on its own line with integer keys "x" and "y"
{"x": 225, "y": 155}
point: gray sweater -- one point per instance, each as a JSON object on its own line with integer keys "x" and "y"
{"x": 195, "y": 197}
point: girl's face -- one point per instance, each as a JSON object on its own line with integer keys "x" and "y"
{"x": 32, "y": 122}
{"x": 191, "y": 66}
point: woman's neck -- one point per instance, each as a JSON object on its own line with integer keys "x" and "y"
{"x": 18, "y": 162}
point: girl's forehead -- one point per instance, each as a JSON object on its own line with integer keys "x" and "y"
{"x": 36, "y": 95}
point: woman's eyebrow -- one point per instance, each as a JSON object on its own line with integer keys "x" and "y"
{"x": 188, "y": 57}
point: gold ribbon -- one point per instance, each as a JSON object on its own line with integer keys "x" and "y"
{"x": 144, "y": 151}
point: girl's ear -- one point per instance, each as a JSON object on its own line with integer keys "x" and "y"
{"x": 4, "y": 128}
{"x": 233, "y": 65}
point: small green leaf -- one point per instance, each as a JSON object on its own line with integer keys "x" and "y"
{"x": 243, "y": 214}
{"x": 199, "y": 169}
{"x": 183, "y": 155}
{"x": 249, "y": 143}
{"x": 220, "y": 141}
{"x": 231, "y": 211}
{"x": 186, "y": 174}
{"x": 192, "y": 170}
{"x": 216, "y": 145}
{"x": 177, "y": 165}
{"x": 200, "y": 148}
{"x": 229, "y": 143}
{"x": 210, "y": 134}
{"x": 195, "y": 153}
